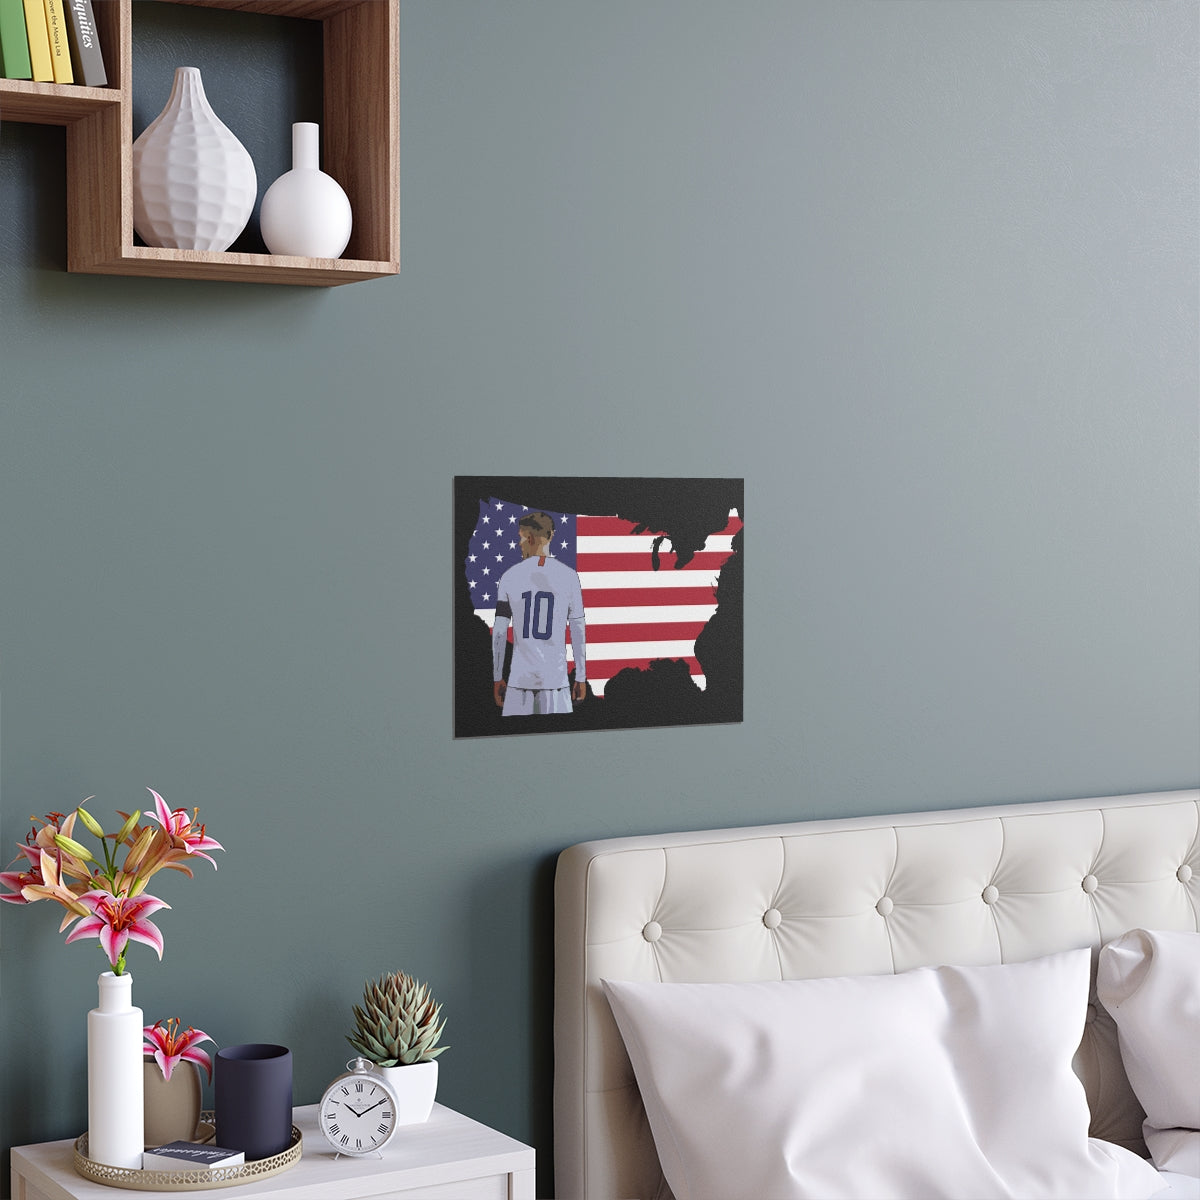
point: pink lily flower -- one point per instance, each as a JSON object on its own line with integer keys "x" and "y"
{"x": 51, "y": 887}
{"x": 185, "y": 835}
{"x": 38, "y": 843}
{"x": 105, "y": 899}
{"x": 116, "y": 920}
{"x": 53, "y": 823}
{"x": 43, "y": 882}
{"x": 15, "y": 881}
{"x": 18, "y": 881}
{"x": 168, "y": 1046}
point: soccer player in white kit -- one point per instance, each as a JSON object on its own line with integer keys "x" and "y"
{"x": 540, "y": 597}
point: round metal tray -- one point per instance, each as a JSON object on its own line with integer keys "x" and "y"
{"x": 188, "y": 1180}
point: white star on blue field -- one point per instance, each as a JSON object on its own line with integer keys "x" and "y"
{"x": 496, "y": 545}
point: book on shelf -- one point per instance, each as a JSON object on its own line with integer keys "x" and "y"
{"x": 190, "y": 1156}
{"x": 86, "y": 59}
{"x": 60, "y": 48}
{"x": 39, "y": 41}
{"x": 14, "y": 49}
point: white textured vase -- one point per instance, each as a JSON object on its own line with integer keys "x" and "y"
{"x": 115, "y": 1089}
{"x": 414, "y": 1087}
{"x": 305, "y": 211}
{"x": 194, "y": 183}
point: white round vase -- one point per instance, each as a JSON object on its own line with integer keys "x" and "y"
{"x": 194, "y": 183}
{"x": 115, "y": 1089}
{"x": 415, "y": 1088}
{"x": 305, "y": 211}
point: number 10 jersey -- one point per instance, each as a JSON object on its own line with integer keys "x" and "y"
{"x": 540, "y": 595}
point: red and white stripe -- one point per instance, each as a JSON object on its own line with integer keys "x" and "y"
{"x": 634, "y": 613}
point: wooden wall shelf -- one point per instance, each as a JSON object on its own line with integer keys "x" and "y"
{"x": 360, "y": 133}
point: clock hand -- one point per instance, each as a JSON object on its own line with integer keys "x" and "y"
{"x": 375, "y": 1105}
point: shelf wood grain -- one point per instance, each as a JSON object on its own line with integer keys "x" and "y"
{"x": 361, "y": 134}
{"x": 51, "y": 103}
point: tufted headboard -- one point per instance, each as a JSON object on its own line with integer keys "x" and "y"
{"x": 860, "y": 896}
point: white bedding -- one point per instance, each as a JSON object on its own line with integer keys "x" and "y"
{"x": 871, "y": 896}
{"x": 1150, "y": 982}
{"x": 1177, "y": 1187}
{"x": 934, "y": 1084}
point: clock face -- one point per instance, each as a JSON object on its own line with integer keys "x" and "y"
{"x": 357, "y": 1115}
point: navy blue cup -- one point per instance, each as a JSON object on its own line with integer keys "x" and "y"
{"x": 252, "y": 1091}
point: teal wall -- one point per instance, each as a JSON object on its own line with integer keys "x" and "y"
{"x": 925, "y": 274}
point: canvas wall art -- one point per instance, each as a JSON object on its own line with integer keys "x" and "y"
{"x": 596, "y": 603}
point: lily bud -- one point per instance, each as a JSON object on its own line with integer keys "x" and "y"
{"x": 93, "y": 826}
{"x": 73, "y": 848}
{"x": 138, "y": 851}
{"x": 129, "y": 826}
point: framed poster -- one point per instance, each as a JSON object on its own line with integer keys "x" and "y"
{"x": 596, "y": 603}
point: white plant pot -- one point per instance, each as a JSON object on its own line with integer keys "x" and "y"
{"x": 115, "y": 1089}
{"x": 194, "y": 183}
{"x": 414, "y": 1088}
{"x": 305, "y": 211}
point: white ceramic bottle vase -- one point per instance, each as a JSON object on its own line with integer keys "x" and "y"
{"x": 305, "y": 211}
{"x": 194, "y": 183}
{"x": 115, "y": 1090}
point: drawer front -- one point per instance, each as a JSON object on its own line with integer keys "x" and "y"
{"x": 494, "y": 1187}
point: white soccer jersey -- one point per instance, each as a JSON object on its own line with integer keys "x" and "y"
{"x": 540, "y": 595}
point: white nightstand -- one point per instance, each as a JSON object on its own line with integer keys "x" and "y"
{"x": 449, "y": 1157}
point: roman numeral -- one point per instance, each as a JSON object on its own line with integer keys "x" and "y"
{"x": 358, "y": 1087}
{"x": 334, "y": 1130}
{"x": 383, "y": 1129}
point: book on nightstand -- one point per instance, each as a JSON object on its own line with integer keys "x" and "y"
{"x": 14, "y": 49}
{"x": 60, "y": 48}
{"x": 86, "y": 58}
{"x": 39, "y": 41}
{"x": 186, "y": 1156}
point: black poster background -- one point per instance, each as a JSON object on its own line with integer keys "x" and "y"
{"x": 686, "y": 511}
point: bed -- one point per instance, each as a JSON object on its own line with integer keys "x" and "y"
{"x": 727, "y": 924}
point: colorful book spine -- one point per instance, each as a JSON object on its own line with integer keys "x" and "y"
{"x": 60, "y": 46}
{"x": 14, "y": 49}
{"x": 86, "y": 59}
{"x": 39, "y": 41}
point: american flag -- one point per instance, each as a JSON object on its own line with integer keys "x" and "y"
{"x": 634, "y": 613}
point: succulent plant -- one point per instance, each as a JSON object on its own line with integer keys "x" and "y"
{"x": 397, "y": 1023}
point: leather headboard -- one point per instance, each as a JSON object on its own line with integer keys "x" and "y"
{"x": 868, "y": 895}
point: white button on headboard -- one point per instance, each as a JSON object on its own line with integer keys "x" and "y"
{"x": 885, "y": 906}
{"x": 1090, "y": 884}
{"x": 991, "y": 894}
{"x": 772, "y": 918}
{"x": 652, "y": 931}
{"x": 1184, "y": 874}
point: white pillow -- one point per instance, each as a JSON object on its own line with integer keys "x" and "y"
{"x": 1150, "y": 982}
{"x": 940, "y": 1082}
